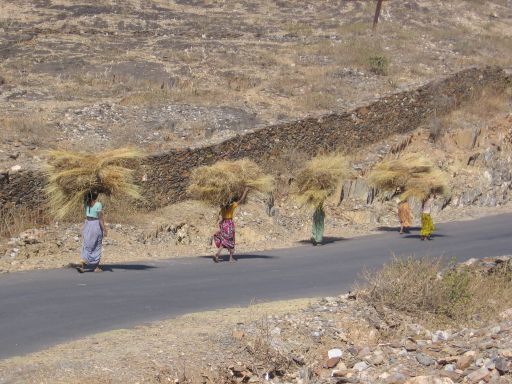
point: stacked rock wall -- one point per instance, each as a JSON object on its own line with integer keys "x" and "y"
{"x": 167, "y": 174}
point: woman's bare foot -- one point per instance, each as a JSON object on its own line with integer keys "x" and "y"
{"x": 215, "y": 258}
{"x": 80, "y": 267}
{"x": 232, "y": 259}
{"x": 98, "y": 269}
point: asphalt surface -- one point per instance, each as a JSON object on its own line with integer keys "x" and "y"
{"x": 42, "y": 308}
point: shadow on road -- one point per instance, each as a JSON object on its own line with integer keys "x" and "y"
{"x": 325, "y": 241}
{"x": 418, "y": 236}
{"x": 113, "y": 267}
{"x": 224, "y": 257}
{"x": 128, "y": 267}
{"x": 394, "y": 229}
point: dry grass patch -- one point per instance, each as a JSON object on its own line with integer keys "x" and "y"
{"x": 150, "y": 96}
{"x": 16, "y": 219}
{"x": 122, "y": 211}
{"x": 479, "y": 111}
{"x": 240, "y": 81}
{"x": 33, "y": 127}
{"x": 318, "y": 100}
{"x": 436, "y": 292}
{"x": 361, "y": 52}
{"x": 298, "y": 28}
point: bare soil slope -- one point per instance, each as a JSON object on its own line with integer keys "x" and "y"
{"x": 93, "y": 74}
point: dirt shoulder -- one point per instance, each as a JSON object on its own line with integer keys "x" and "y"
{"x": 151, "y": 353}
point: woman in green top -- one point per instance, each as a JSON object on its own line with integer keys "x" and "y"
{"x": 93, "y": 231}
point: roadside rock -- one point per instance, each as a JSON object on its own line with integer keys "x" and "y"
{"x": 424, "y": 359}
{"x": 429, "y": 380}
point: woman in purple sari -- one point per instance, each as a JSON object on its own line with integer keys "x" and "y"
{"x": 225, "y": 237}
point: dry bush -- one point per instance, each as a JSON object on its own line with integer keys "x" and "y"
{"x": 378, "y": 64}
{"x": 267, "y": 358}
{"x": 220, "y": 183}
{"x": 320, "y": 177}
{"x": 71, "y": 175}
{"x": 429, "y": 289}
{"x": 16, "y": 219}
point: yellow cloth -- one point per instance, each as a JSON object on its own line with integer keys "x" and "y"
{"x": 427, "y": 225}
{"x": 228, "y": 212}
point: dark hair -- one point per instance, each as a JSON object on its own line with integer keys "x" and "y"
{"x": 90, "y": 197}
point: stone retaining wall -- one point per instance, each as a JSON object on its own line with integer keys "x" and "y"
{"x": 166, "y": 175}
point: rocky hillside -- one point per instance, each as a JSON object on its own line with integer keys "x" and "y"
{"x": 167, "y": 74}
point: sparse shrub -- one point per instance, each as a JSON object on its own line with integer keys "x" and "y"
{"x": 16, "y": 219}
{"x": 455, "y": 286}
{"x": 319, "y": 100}
{"x": 432, "y": 291}
{"x": 378, "y": 65}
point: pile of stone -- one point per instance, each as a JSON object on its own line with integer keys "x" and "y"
{"x": 345, "y": 340}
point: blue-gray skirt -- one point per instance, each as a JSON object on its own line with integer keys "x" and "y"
{"x": 92, "y": 237}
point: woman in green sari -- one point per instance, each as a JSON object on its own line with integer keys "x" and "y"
{"x": 317, "y": 233}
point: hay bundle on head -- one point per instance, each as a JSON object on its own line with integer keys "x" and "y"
{"x": 392, "y": 174}
{"x": 225, "y": 181}
{"x": 319, "y": 178}
{"x": 420, "y": 186}
{"x": 72, "y": 175}
{"x": 413, "y": 174}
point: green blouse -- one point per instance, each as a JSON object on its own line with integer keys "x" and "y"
{"x": 93, "y": 211}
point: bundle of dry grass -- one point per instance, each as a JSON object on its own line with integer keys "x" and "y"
{"x": 320, "y": 177}
{"x": 225, "y": 181}
{"x": 71, "y": 175}
{"x": 413, "y": 174}
{"x": 422, "y": 185}
{"x": 392, "y": 174}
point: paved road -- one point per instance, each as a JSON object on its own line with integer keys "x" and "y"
{"x": 41, "y": 308}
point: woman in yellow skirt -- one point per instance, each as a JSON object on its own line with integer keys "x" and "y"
{"x": 427, "y": 224}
